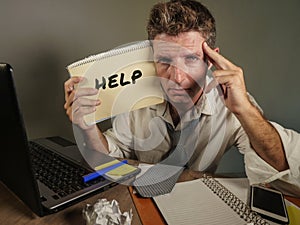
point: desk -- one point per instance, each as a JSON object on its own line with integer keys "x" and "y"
{"x": 14, "y": 212}
{"x": 149, "y": 213}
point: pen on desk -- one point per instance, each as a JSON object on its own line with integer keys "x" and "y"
{"x": 98, "y": 173}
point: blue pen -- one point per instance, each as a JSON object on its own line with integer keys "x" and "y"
{"x": 98, "y": 173}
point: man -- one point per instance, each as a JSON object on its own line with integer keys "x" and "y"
{"x": 194, "y": 115}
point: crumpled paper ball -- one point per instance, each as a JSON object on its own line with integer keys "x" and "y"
{"x": 104, "y": 212}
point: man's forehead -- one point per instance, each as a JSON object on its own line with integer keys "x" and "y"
{"x": 191, "y": 38}
{"x": 169, "y": 47}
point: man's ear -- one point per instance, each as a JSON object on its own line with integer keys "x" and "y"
{"x": 209, "y": 62}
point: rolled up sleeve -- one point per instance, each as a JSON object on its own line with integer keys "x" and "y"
{"x": 259, "y": 171}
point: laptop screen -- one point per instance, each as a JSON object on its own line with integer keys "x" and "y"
{"x": 15, "y": 167}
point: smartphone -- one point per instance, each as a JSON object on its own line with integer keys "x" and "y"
{"x": 269, "y": 204}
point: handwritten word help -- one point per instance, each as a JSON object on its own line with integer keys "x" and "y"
{"x": 116, "y": 80}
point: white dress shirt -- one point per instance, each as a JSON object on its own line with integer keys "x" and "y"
{"x": 205, "y": 132}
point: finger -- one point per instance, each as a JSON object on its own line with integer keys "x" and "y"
{"x": 69, "y": 100}
{"x": 85, "y": 102}
{"x": 226, "y": 76}
{"x": 75, "y": 113}
{"x": 82, "y": 92}
{"x": 216, "y": 59}
{"x": 82, "y": 111}
{"x": 69, "y": 112}
{"x": 78, "y": 116}
{"x": 79, "y": 93}
{"x": 80, "y": 98}
{"x": 220, "y": 73}
{"x": 70, "y": 83}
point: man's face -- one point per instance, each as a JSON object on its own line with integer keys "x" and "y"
{"x": 181, "y": 66}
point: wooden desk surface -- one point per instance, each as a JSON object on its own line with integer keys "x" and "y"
{"x": 14, "y": 212}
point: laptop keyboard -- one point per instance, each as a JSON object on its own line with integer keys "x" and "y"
{"x": 57, "y": 173}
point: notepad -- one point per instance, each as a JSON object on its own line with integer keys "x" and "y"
{"x": 105, "y": 165}
{"x": 114, "y": 170}
{"x": 118, "y": 172}
{"x": 203, "y": 201}
{"x": 125, "y": 77}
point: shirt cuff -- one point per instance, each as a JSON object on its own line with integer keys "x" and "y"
{"x": 259, "y": 171}
{"x": 291, "y": 142}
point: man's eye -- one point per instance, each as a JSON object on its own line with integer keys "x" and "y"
{"x": 164, "y": 60}
{"x": 191, "y": 58}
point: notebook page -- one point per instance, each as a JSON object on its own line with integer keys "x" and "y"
{"x": 238, "y": 186}
{"x": 193, "y": 203}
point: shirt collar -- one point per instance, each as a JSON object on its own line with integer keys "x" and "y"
{"x": 202, "y": 107}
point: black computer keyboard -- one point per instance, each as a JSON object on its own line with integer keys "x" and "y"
{"x": 57, "y": 173}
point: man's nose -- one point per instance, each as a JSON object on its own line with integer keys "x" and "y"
{"x": 177, "y": 73}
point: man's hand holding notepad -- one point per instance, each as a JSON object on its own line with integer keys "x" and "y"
{"x": 125, "y": 77}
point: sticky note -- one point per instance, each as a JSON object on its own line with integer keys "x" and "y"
{"x": 122, "y": 170}
{"x": 294, "y": 214}
{"x": 106, "y": 164}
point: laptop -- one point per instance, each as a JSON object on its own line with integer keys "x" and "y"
{"x": 45, "y": 173}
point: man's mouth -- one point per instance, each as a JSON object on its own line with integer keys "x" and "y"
{"x": 177, "y": 91}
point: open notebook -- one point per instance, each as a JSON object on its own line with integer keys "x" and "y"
{"x": 213, "y": 204}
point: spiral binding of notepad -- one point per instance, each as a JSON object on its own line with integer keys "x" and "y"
{"x": 242, "y": 209}
{"x": 117, "y": 51}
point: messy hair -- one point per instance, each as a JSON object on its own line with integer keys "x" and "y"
{"x": 177, "y": 16}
